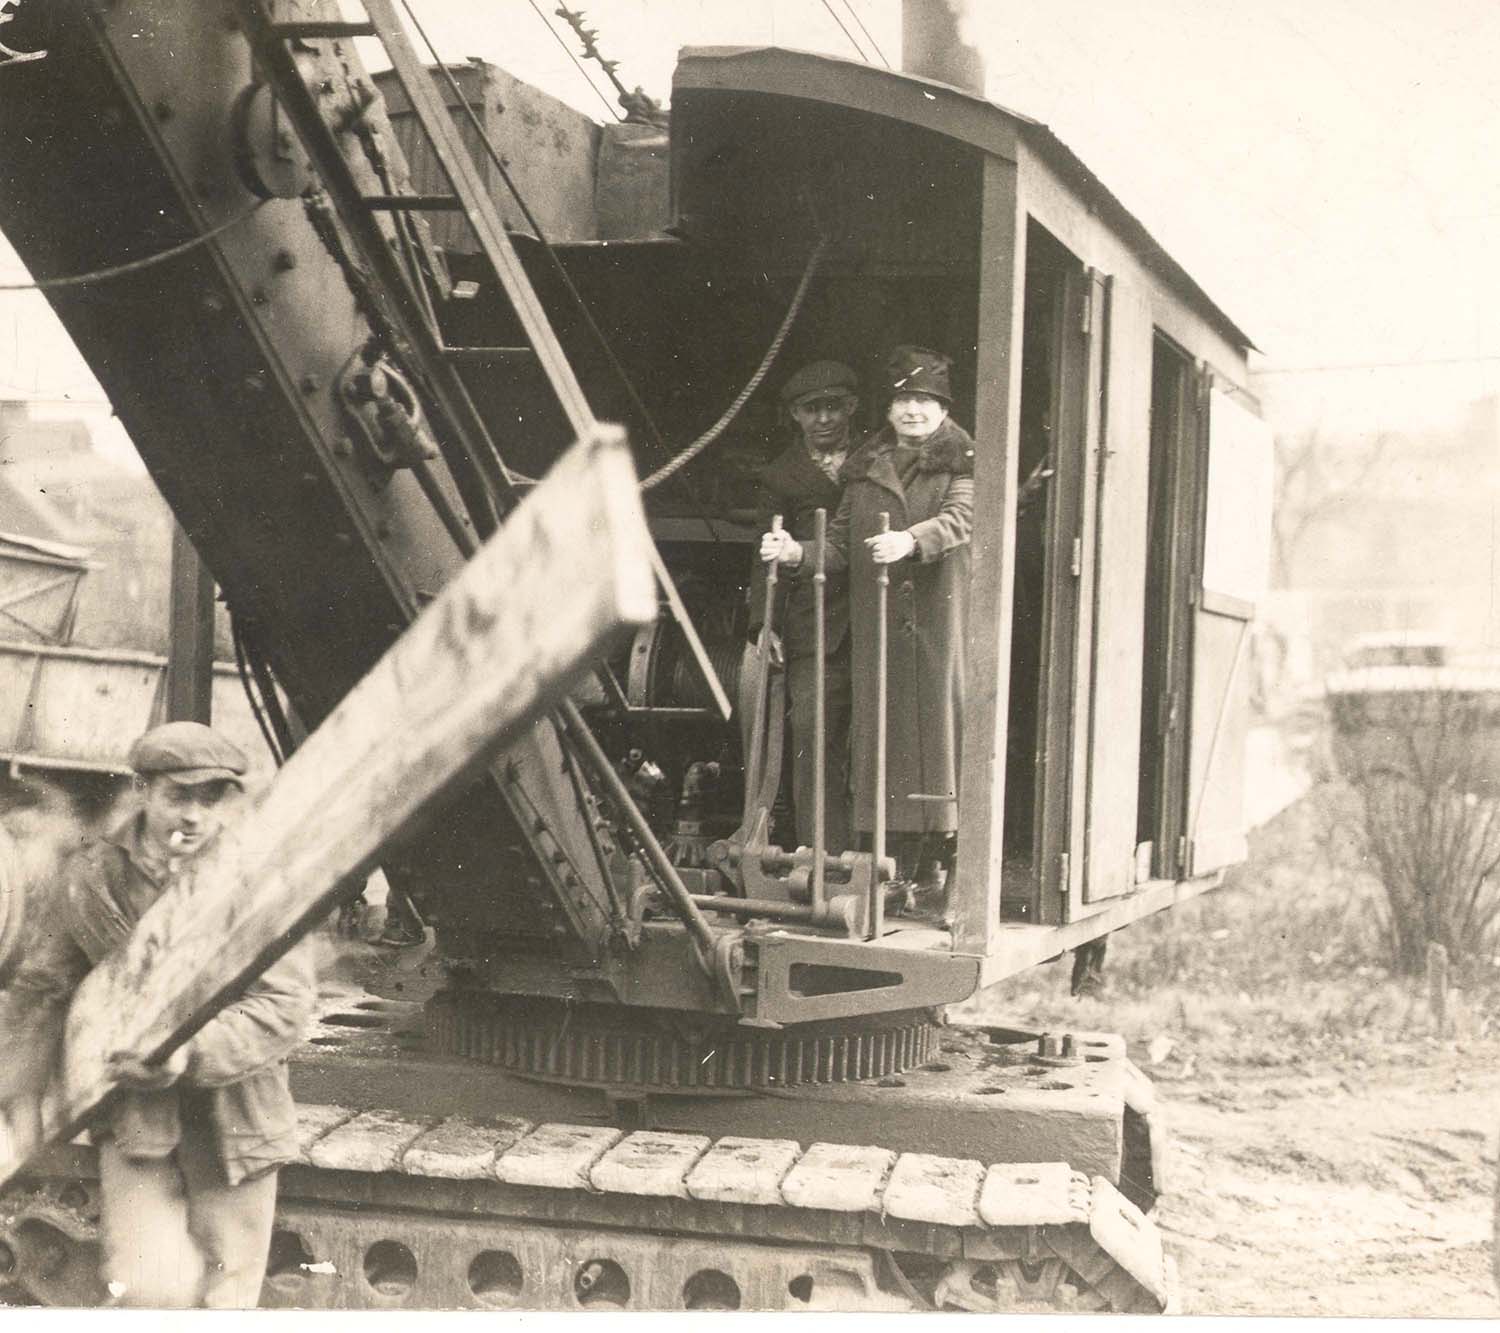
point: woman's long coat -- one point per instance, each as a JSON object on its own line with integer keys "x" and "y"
{"x": 929, "y": 492}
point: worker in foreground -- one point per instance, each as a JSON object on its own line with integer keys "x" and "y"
{"x": 189, "y": 1152}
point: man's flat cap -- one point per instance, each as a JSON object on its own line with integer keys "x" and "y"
{"x": 819, "y": 377}
{"x": 189, "y": 753}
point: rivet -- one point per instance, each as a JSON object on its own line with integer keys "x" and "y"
{"x": 213, "y": 302}
{"x": 310, "y": 384}
{"x": 258, "y": 296}
{"x": 285, "y": 261}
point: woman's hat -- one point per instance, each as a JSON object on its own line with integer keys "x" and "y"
{"x": 918, "y": 370}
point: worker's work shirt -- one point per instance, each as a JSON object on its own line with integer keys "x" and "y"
{"x": 236, "y": 1076}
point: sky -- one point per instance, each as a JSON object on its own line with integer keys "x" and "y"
{"x": 1327, "y": 169}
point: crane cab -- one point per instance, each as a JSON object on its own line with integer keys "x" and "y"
{"x": 1122, "y": 471}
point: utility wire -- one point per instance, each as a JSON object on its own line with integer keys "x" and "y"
{"x": 568, "y": 50}
{"x": 854, "y": 14}
{"x": 844, "y": 27}
{"x": 134, "y": 265}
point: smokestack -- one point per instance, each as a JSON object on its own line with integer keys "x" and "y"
{"x": 933, "y": 48}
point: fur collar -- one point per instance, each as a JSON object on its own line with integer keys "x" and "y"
{"x": 950, "y": 448}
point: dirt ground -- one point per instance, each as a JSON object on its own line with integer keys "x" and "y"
{"x": 1299, "y": 1192}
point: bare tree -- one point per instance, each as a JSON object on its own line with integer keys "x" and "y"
{"x": 1421, "y": 762}
{"x": 1314, "y": 474}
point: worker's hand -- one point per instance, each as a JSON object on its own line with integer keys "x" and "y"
{"x": 781, "y": 547}
{"x": 888, "y": 547}
{"x": 129, "y": 1069}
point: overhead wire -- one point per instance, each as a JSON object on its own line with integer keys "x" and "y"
{"x": 133, "y": 265}
{"x": 844, "y": 28}
{"x": 647, "y": 420}
{"x": 854, "y": 14}
{"x": 568, "y": 51}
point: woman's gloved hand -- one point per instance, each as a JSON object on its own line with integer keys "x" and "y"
{"x": 888, "y": 547}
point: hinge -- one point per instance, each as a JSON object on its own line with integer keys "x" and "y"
{"x": 1077, "y": 556}
{"x": 1064, "y": 872}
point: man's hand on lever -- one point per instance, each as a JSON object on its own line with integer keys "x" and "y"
{"x": 781, "y": 547}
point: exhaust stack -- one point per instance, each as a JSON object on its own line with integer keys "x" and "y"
{"x": 933, "y": 48}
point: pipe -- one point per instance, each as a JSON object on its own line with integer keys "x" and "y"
{"x": 820, "y": 718}
{"x": 755, "y": 907}
{"x": 666, "y": 872}
{"x": 877, "y": 841}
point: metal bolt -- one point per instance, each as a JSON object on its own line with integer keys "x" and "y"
{"x": 310, "y": 384}
{"x": 285, "y": 261}
{"x": 258, "y": 296}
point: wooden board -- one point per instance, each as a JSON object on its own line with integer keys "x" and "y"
{"x": 1120, "y": 602}
{"x": 567, "y": 573}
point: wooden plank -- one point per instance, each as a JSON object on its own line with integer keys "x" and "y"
{"x": 997, "y": 423}
{"x": 1120, "y": 601}
{"x": 565, "y": 576}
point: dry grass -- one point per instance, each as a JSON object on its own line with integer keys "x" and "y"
{"x": 1287, "y": 962}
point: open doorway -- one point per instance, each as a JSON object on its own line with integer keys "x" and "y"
{"x": 1053, "y": 380}
{"x": 1176, "y": 428}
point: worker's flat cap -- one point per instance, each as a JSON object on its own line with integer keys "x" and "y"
{"x": 819, "y": 377}
{"x": 189, "y": 753}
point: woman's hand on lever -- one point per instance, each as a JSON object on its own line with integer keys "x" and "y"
{"x": 888, "y": 547}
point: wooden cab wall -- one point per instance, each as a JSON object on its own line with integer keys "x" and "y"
{"x": 955, "y": 223}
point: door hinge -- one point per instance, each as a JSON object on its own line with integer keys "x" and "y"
{"x": 1077, "y": 556}
{"x": 1064, "y": 872}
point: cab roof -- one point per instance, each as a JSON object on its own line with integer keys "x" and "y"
{"x": 945, "y": 110}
